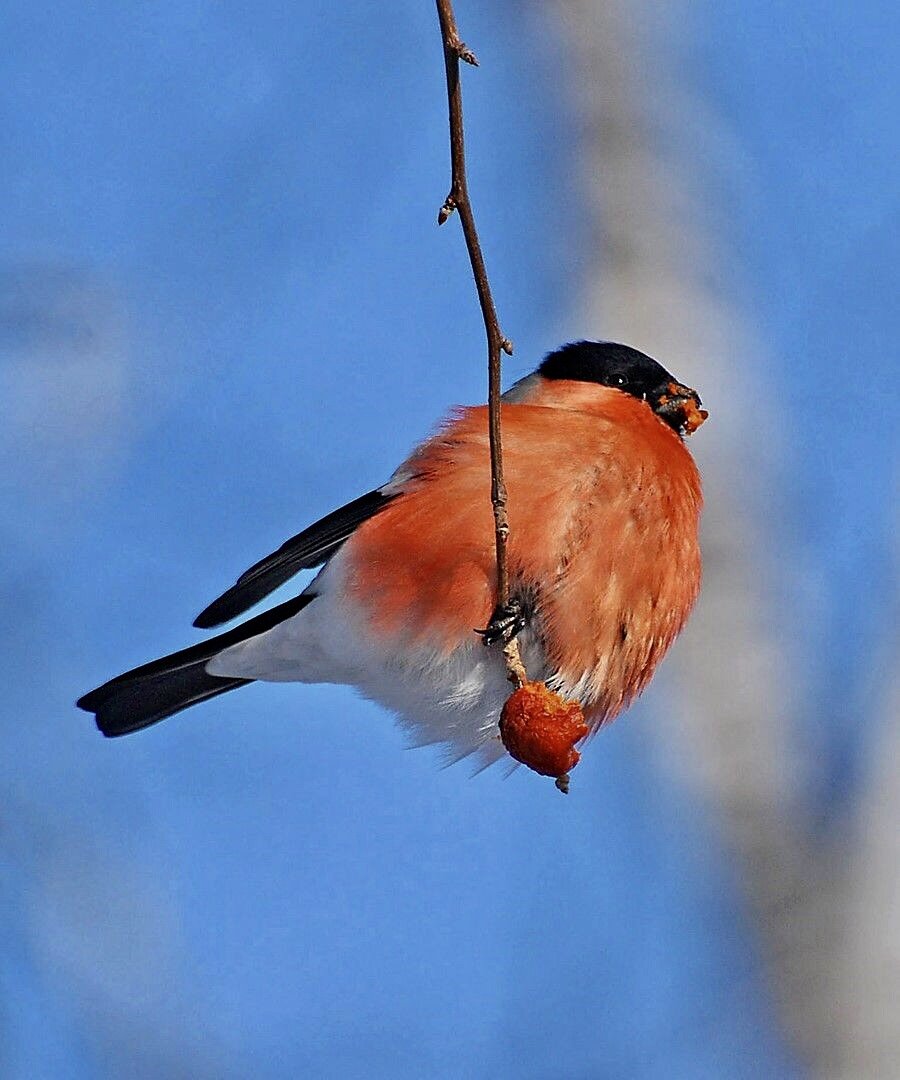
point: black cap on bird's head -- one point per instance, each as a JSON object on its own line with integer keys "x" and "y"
{"x": 623, "y": 368}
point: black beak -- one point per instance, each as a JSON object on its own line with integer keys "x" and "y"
{"x": 679, "y": 407}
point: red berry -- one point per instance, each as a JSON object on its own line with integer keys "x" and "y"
{"x": 540, "y": 729}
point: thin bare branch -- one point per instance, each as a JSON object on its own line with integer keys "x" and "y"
{"x": 458, "y": 199}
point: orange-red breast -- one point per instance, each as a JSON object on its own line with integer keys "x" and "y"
{"x": 604, "y": 506}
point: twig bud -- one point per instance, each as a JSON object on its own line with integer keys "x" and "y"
{"x": 446, "y": 210}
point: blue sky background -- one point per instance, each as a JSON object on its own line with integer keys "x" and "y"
{"x": 224, "y": 310}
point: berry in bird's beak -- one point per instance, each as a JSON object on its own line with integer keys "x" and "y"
{"x": 679, "y": 407}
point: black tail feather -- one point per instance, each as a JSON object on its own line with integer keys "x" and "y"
{"x": 152, "y": 692}
{"x": 134, "y": 705}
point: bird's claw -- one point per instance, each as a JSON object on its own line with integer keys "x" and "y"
{"x": 506, "y": 623}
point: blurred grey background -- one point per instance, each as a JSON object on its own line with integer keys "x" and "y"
{"x": 224, "y": 310}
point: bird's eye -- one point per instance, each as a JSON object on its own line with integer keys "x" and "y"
{"x": 621, "y": 380}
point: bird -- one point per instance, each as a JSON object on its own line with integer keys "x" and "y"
{"x": 604, "y": 504}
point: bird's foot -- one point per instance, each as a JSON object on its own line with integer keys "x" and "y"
{"x": 506, "y": 623}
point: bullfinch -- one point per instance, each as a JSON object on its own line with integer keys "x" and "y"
{"x": 604, "y": 506}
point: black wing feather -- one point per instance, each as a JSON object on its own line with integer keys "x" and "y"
{"x": 302, "y": 552}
